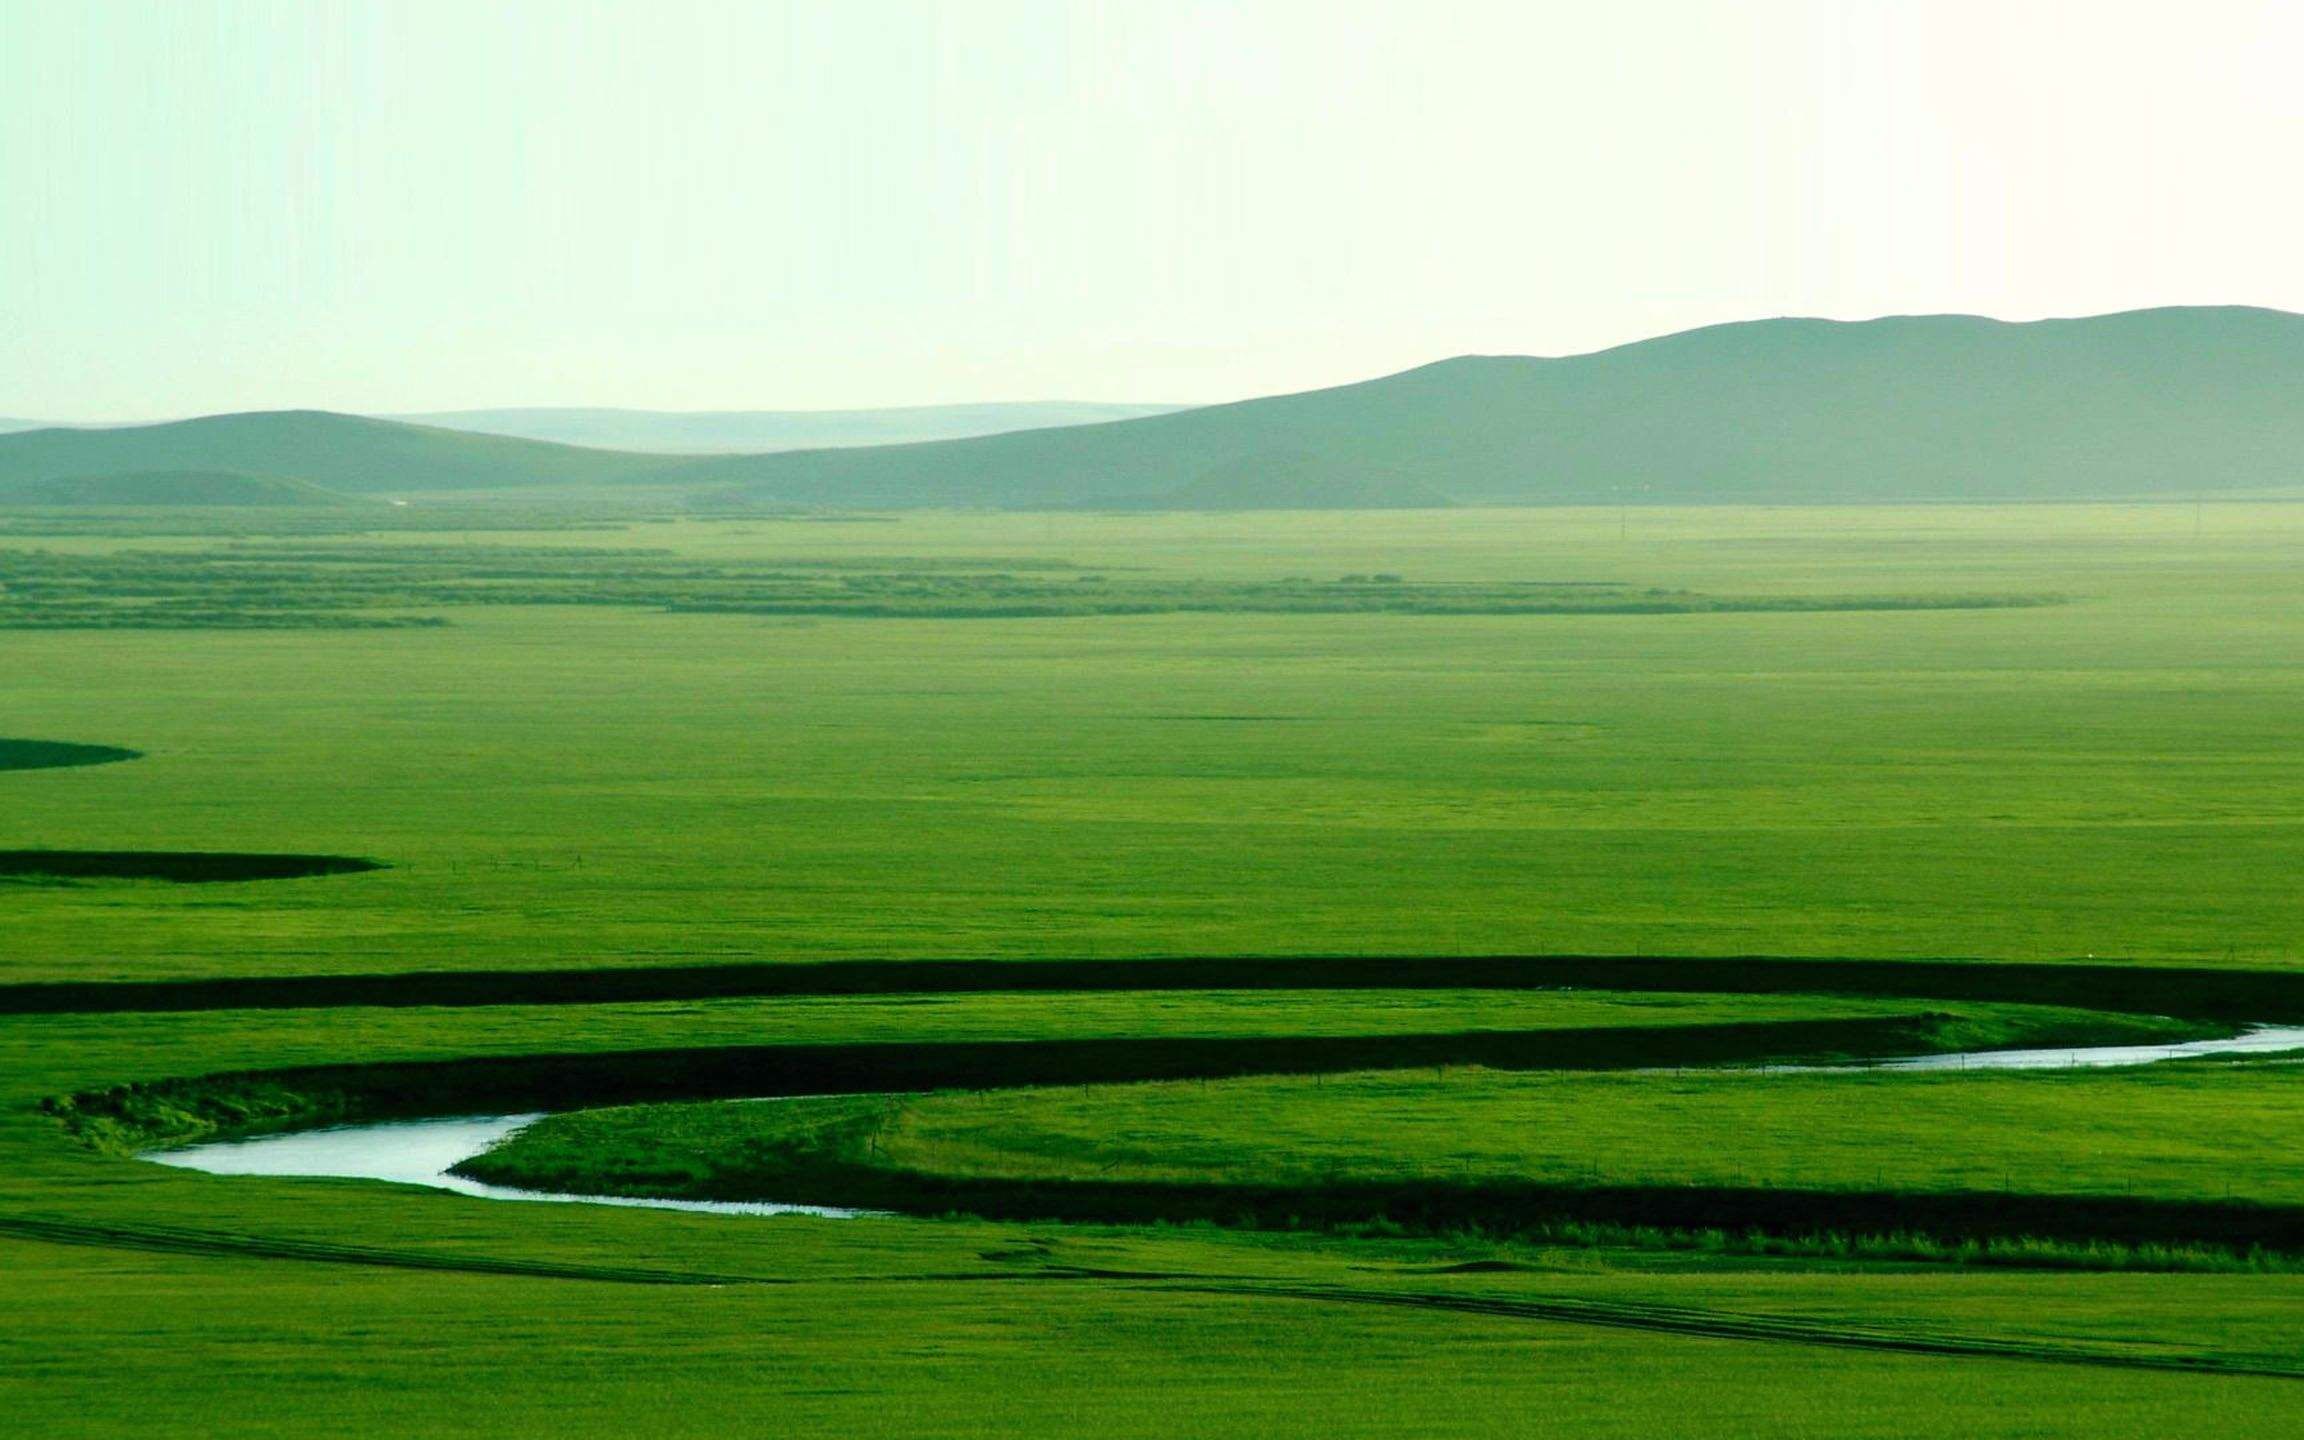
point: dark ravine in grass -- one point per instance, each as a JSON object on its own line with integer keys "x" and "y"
{"x": 2232, "y": 994}
{"x": 1507, "y": 1209}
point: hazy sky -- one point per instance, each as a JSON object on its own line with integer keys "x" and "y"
{"x": 235, "y": 204}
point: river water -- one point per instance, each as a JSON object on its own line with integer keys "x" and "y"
{"x": 420, "y": 1152}
{"x": 2257, "y": 1039}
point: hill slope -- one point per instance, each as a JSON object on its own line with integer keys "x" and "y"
{"x": 338, "y": 452}
{"x": 2168, "y": 402}
{"x": 171, "y": 487}
{"x": 756, "y": 431}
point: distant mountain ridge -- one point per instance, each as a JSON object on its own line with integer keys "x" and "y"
{"x": 2169, "y": 402}
{"x": 356, "y": 454}
{"x": 2155, "y": 402}
{"x": 758, "y": 431}
{"x": 348, "y": 453}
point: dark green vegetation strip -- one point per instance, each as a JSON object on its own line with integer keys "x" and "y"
{"x": 316, "y": 585}
{"x": 186, "y": 867}
{"x": 2238, "y": 995}
{"x": 54, "y": 754}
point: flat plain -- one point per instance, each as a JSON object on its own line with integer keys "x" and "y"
{"x": 574, "y": 777}
{"x": 607, "y": 784}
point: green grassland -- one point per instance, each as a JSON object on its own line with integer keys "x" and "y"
{"x": 231, "y": 1346}
{"x": 2181, "y": 1131}
{"x": 583, "y": 774}
{"x": 334, "y": 1307}
{"x": 614, "y": 785}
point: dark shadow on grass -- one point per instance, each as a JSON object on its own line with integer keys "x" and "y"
{"x": 186, "y": 867}
{"x": 56, "y": 754}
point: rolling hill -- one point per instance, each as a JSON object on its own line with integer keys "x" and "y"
{"x": 140, "y": 488}
{"x": 2153, "y": 402}
{"x": 2172, "y": 403}
{"x": 756, "y": 431}
{"x": 349, "y": 453}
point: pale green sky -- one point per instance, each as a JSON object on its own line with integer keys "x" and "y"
{"x": 420, "y": 204}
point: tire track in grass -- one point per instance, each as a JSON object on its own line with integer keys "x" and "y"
{"x": 173, "y": 1240}
{"x": 176, "y": 1240}
{"x": 1734, "y": 1325}
{"x": 1620, "y": 1315}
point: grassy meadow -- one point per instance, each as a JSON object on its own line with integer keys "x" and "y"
{"x": 624, "y": 744}
{"x": 2142, "y": 1133}
{"x": 605, "y": 785}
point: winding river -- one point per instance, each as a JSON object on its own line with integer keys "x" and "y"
{"x": 420, "y": 1152}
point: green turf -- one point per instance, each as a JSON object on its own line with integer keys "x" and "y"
{"x": 108, "y": 1344}
{"x": 95, "y": 1048}
{"x": 43, "y": 1057}
{"x": 2114, "y": 776}
{"x": 568, "y": 790}
{"x": 331, "y": 1299}
{"x": 2177, "y": 1131}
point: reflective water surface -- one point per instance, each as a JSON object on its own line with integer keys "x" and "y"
{"x": 419, "y": 1152}
{"x": 2257, "y": 1039}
